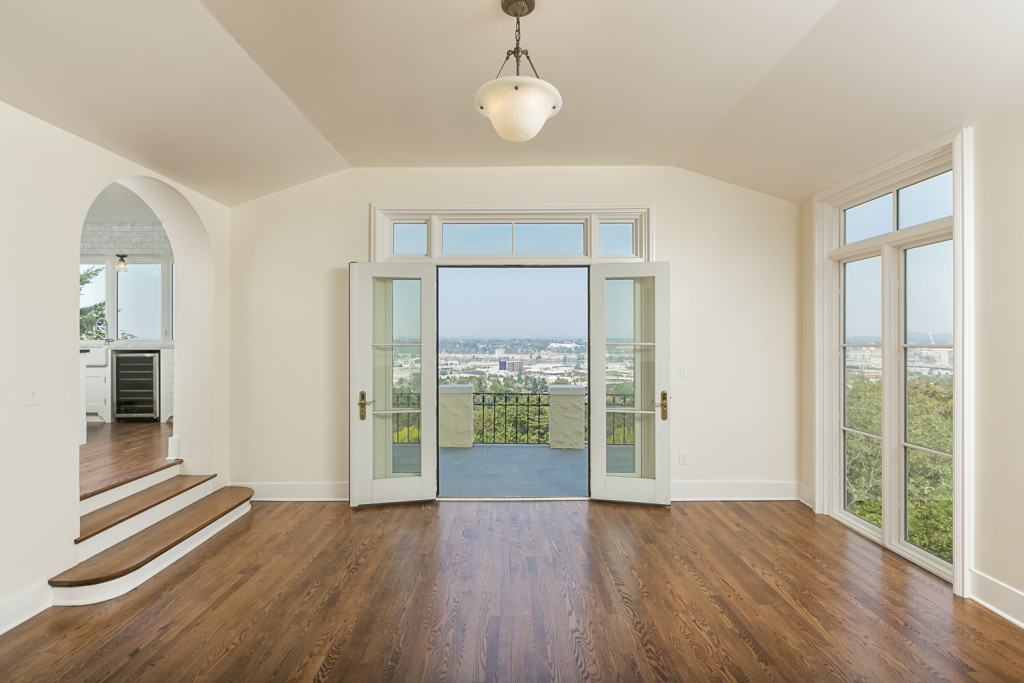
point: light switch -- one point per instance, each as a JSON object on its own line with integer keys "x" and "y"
{"x": 683, "y": 372}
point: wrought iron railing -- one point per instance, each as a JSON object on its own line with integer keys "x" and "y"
{"x": 501, "y": 418}
{"x": 512, "y": 418}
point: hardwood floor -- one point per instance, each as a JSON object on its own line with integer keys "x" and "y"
{"x": 526, "y": 591}
{"x": 118, "y": 452}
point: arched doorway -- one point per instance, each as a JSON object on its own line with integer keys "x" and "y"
{"x": 189, "y": 327}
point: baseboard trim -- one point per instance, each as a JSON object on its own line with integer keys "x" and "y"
{"x": 22, "y": 606}
{"x": 298, "y": 490}
{"x": 805, "y": 494}
{"x": 993, "y": 594}
{"x": 685, "y": 490}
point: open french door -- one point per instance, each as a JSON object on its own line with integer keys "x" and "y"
{"x": 392, "y": 383}
{"x": 629, "y": 401}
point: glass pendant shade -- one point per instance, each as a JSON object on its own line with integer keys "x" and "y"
{"x": 518, "y": 106}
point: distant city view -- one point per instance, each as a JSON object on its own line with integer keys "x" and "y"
{"x": 518, "y": 365}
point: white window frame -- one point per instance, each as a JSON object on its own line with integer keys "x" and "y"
{"x": 956, "y": 153}
{"x": 384, "y": 216}
{"x": 166, "y": 300}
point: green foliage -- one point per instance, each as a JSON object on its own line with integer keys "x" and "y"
{"x": 929, "y": 476}
{"x": 89, "y": 317}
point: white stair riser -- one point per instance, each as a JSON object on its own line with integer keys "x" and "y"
{"x": 134, "y": 525}
{"x": 102, "y": 500}
{"x": 88, "y": 595}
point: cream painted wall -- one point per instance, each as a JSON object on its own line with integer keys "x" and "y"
{"x": 999, "y": 319}
{"x": 735, "y": 277}
{"x": 49, "y": 180}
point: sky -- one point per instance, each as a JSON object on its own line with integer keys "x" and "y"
{"x": 528, "y": 303}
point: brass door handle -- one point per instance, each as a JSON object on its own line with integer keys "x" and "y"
{"x": 362, "y": 405}
{"x": 664, "y": 405}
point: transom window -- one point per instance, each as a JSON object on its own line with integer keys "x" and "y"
{"x": 520, "y": 235}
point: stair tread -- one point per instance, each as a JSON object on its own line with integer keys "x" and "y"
{"x": 106, "y": 517}
{"x": 135, "y": 476}
{"x": 130, "y": 554}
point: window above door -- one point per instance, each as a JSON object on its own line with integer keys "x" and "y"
{"x": 512, "y": 235}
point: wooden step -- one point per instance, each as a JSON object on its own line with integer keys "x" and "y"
{"x": 133, "y": 553}
{"x": 126, "y": 508}
{"x": 119, "y": 480}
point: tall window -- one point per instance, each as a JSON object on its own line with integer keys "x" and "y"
{"x": 891, "y": 442}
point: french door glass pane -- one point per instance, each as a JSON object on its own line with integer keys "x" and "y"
{"x": 862, "y": 306}
{"x": 139, "y": 301}
{"x": 863, "y": 389}
{"x": 396, "y": 377}
{"x": 926, "y": 201}
{"x": 862, "y": 477}
{"x": 929, "y": 294}
{"x": 929, "y": 398}
{"x": 396, "y": 445}
{"x": 549, "y": 238}
{"x": 629, "y": 373}
{"x": 867, "y": 220}
{"x": 630, "y": 445}
{"x": 629, "y": 313}
{"x": 929, "y": 502}
{"x": 396, "y": 310}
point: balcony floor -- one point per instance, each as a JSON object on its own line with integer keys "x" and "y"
{"x": 512, "y": 471}
{"x": 521, "y": 471}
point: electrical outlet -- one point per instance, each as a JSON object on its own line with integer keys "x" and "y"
{"x": 682, "y": 457}
{"x": 31, "y": 394}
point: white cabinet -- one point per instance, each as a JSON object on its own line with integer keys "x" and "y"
{"x": 97, "y": 385}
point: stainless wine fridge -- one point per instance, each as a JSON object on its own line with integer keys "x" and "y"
{"x": 136, "y": 385}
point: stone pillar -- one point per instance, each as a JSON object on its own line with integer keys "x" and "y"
{"x": 455, "y": 416}
{"x": 566, "y": 426}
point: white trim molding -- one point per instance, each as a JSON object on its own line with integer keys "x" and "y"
{"x": 686, "y": 490}
{"x": 298, "y": 490}
{"x": 24, "y": 605}
{"x": 993, "y": 594}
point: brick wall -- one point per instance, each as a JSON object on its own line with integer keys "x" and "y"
{"x": 110, "y": 238}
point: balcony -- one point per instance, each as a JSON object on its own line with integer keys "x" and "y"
{"x": 506, "y": 445}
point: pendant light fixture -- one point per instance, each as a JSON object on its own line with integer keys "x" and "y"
{"x": 518, "y": 106}
{"x": 122, "y": 265}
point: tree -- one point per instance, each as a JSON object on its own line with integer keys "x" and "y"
{"x": 91, "y": 319}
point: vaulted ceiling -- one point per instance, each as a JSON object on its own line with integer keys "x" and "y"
{"x": 239, "y": 98}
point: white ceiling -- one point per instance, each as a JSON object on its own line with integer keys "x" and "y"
{"x": 238, "y": 98}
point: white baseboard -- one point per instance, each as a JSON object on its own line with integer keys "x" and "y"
{"x": 23, "y": 606}
{"x": 805, "y": 494}
{"x": 685, "y": 490}
{"x": 297, "y": 490}
{"x": 1006, "y": 601}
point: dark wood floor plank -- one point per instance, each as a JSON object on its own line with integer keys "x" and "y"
{"x": 527, "y": 591}
{"x": 116, "y": 453}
